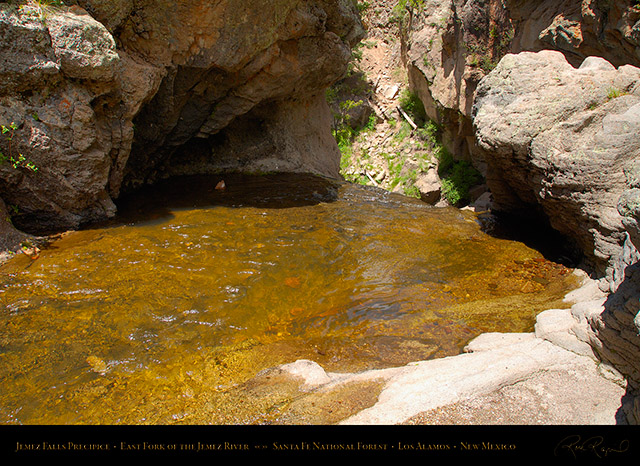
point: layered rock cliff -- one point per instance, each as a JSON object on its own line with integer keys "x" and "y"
{"x": 102, "y": 96}
{"x": 544, "y": 98}
{"x": 450, "y": 47}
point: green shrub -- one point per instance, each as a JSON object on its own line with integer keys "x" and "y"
{"x": 362, "y": 6}
{"x": 402, "y": 8}
{"x": 428, "y": 133}
{"x": 457, "y": 180}
{"x": 457, "y": 176}
{"x": 412, "y": 104}
{"x": 445, "y": 160}
{"x": 16, "y": 160}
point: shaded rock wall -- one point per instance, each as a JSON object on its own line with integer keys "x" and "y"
{"x": 579, "y": 28}
{"x": 558, "y": 139}
{"x": 105, "y": 96}
{"x": 616, "y": 330}
{"x": 226, "y": 60}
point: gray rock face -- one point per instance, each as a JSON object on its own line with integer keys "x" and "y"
{"x": 70, "y": 123}
{"x": 629, "y": 203}
{"x": 557, "y": 140}
{"x": 83, "y": 47}
{"x": 566, "y": 142}
{"x": 26, "y": 52}
{"x": 449, "y": 45}
{"x": 95, "y": 118}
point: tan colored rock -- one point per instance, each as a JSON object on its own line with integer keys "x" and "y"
{"x": 429, "y": 186}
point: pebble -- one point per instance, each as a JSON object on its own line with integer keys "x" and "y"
{"x": 97, "y": 365}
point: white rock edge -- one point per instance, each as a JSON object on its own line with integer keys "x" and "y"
{"x": 491, "y": 361}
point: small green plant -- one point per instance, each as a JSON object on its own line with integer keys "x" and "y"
{"x": 371, "y": 123}
{"x": 412, "y": 191}
{"x": 403, "y": 132}
{"x": 404, "y": 8}
{"x": 39, "y": 8}
{"x": 487, "y": 55}
{"x": 345, "y": 136}
{"x": 412, "y": 104}
{"x": 370, "y": 44}
{"x": 614, "y": 93}
{"x": 458, "y": 177}
{"x": 428, "y": 133}
{"x": 331, "y": 94}
{"x": 362, "y": 6}
{"x": 16, "y": 160}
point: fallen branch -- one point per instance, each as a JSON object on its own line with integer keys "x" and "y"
{"x": 406, "y": 117}
{"x": 371, "y": 178}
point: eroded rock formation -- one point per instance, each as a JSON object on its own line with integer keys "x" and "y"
{"x": 449, "y": 45}
{"x": 557, "y": 138}
{"x": 555, "y": 127}
{"x": 102, "y": 96}
{"x": 616, "y": 330}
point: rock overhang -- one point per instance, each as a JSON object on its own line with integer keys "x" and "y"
{"x": 116, "y": 89}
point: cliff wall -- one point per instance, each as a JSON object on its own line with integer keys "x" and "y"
{"x": 544, "y": 98}
{"x": 101, "y": 97}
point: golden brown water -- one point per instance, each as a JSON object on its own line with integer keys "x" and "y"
{"x": 170, "y": 313}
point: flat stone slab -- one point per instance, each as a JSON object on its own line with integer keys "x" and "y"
{"x": 528, "y": 382}
{"x": 507, "y": 379}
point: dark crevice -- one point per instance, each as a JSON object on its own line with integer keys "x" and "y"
{"x": 535, "y": 231}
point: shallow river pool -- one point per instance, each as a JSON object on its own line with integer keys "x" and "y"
{"x": 168, "y": 313}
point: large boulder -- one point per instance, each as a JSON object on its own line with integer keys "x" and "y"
{"x": 557, "y": 141}
{"x": 66, "y": 114}
{"x": 449, "y": 45}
